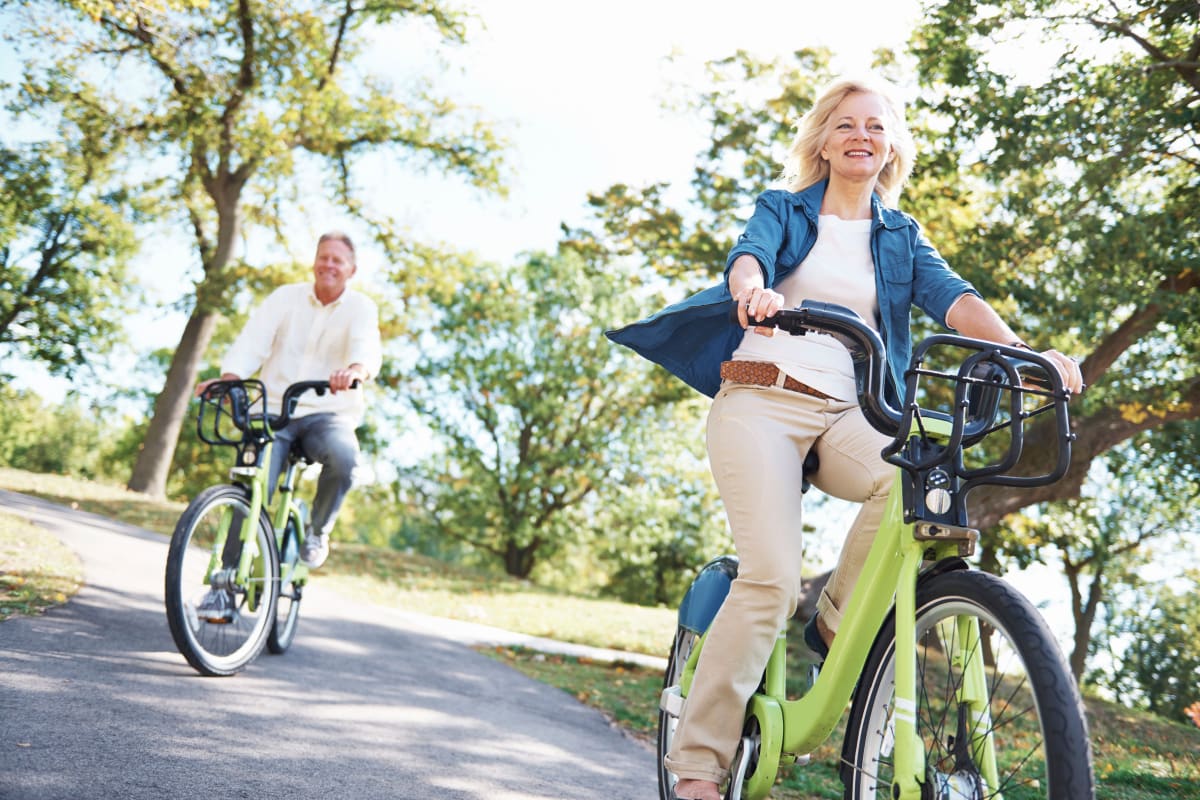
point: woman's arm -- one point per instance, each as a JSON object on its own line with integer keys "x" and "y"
{"x": 752, "y": 298}
{"x": 973, "y": 317}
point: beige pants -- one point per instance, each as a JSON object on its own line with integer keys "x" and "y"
{"x": 757, "y": 439}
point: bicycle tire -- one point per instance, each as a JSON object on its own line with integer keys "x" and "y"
{"x": 1036, "y": 713}
{"x": 225, "y": 647}
{"x": 681, "y": 648}
{"x": 287, "y": 605}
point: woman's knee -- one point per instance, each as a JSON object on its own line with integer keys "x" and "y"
{"x": 769, "y": 589}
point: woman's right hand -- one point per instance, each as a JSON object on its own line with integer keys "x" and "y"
{"x": 752, "y": 299}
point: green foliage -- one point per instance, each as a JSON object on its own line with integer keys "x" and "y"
{"x": 1160, "y": 631}
{"x": 68, "y": 439}
{"x": 65, "y": 238}
{"x": 1089, "y": 171}
{"x": 656, "y": 528}
{"x": 534, "y": 411}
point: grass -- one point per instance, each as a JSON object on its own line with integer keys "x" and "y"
{"x": 1137, "y": 756}
{"x": 36, "y": 570}
{"x": 108, "y": 500}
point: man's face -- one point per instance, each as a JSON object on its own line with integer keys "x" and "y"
{"x": 332, "y": 269}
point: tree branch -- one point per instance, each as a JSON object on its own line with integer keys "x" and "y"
{"x": 1137, "y": 325}
{"x": 343, "y": 24}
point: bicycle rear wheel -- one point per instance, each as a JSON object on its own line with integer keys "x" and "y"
{"x": 287, "y": 607}
{"x": 1034, "y": 723}
{"x": 202, "y": 566}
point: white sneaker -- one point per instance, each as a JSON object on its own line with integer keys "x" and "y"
{"x": 315, "y": 549}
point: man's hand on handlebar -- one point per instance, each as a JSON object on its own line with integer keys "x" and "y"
{"x": 348, "y": 378}
{"x": 202, "y": 387}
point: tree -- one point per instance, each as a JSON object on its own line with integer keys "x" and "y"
{"x": 532, "y": 408}
{"x": 1089, "y": 170}
{"x": 66, "y": 235}
{"x": 662, "y": 521}
{"x": 223, "y": 105}
{"x": 1161, "y": 658}
{"x": 1104, "y": 540}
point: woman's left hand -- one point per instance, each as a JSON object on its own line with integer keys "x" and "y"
{"x": 1068, "y": 370}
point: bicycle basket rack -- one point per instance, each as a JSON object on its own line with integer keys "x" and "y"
{"x": 984, "y": 395}
{"x": 235, "y": 413}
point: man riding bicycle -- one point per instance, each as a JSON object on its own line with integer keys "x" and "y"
{"x": 307, "y": 331}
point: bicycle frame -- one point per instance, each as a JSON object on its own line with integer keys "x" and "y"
{"x": 255, "y": 479}
{"x": 791, "y": 728}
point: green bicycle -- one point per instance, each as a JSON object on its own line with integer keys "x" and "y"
{"x": 957, "y": 688}
{"x": 234, "y": 577}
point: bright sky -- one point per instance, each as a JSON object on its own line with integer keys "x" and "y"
{"x": 577, "y": 90}
{"x": 578, "y": 87}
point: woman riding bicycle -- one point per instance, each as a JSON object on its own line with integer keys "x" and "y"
{"x": 833, "y": 235}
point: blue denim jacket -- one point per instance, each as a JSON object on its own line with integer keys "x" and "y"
{"x": 691, "y": 338}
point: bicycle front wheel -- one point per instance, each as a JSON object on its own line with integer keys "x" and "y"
{"x": 998, "y": 713}
{"x": 218, "y": 619}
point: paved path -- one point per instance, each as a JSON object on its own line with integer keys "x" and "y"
{"x": 95, "y": 702}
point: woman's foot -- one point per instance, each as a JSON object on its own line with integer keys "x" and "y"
{"x": 688, "y": 789}
{"x": 818, "y": 637}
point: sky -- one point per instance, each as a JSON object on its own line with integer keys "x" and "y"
{"x": 578, "y": 89}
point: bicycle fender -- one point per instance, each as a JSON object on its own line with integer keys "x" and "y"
{"x": 706, "y": 594}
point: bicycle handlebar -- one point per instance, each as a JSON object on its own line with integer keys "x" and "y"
{"x": 980, "y": 381}
{"x": 863, "y": 342}
{"x": 247, "y": 402}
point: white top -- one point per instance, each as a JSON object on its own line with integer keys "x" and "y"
{"x": 839, "y": 270}
{"x": 293, "y": 337}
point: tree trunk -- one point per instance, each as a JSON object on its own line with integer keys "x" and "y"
{"x": 154, "y": 459}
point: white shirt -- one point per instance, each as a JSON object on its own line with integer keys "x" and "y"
{"x": 293, "y": 337}
{"x": 838, "y": 269}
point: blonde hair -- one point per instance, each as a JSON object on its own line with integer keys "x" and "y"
{"x": 804, "y": 166}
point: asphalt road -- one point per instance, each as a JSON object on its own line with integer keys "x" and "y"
{"x": 95, "y": 702}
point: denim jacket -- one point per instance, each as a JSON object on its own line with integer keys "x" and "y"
{"x": 691, "y": 338}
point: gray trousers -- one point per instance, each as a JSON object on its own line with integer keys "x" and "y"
{"x": 330, "y": 441}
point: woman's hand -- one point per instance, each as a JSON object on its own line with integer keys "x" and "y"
{"x": 1068, "y": 370}
{"x": 753, "y": 301}
{"x": 758, "y": 304}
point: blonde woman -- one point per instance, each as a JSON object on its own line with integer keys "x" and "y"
{"x": 833, "y": 235}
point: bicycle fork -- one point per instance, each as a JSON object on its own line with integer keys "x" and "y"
{"x": 973, "y": 750}
{"x": 220, "y": 576}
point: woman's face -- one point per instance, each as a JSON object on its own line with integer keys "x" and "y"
{"x": 858, "y": 144}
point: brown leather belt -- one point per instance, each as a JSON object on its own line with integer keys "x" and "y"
{"x": 762, "y": 373}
